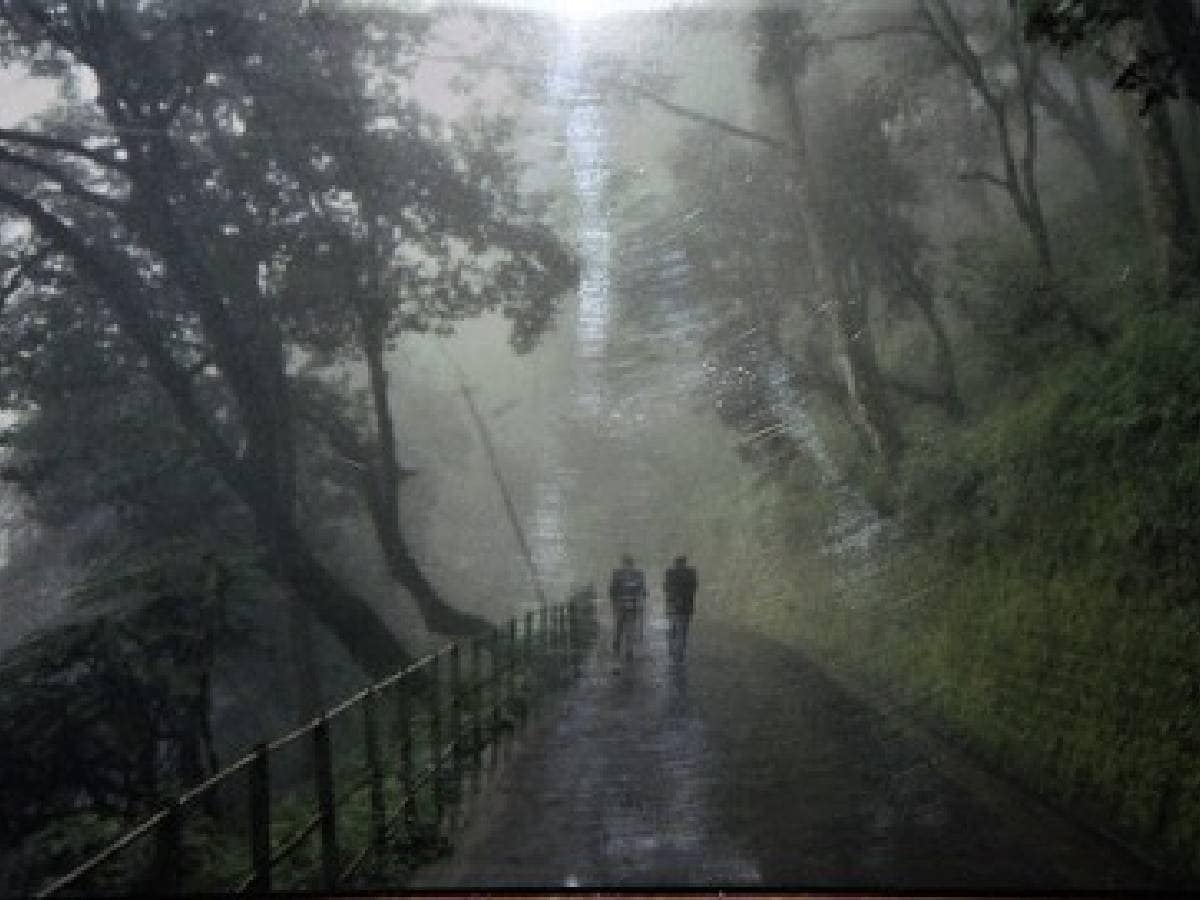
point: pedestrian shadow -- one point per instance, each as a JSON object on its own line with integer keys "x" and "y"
{"x": 677, "y": 689}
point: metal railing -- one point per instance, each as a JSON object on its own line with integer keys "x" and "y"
{"x": 386, "y": 767}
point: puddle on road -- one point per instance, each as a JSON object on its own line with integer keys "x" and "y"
{"x": 614, "y": 790}
{"x": 643, "y": 768}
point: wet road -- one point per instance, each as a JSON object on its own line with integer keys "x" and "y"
{"x": 751, "y": 768}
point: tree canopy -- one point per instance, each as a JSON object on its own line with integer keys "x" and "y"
{"x": 231, "y": 194}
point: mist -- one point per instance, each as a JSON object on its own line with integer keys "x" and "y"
{"x": 331, "y": 338}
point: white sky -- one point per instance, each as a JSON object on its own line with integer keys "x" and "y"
{"x": 22, "y": 96}
{"x": 583, "y": 9}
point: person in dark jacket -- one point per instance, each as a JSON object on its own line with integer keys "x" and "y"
{"x": 679, "y": 593}
{"x": 627, "y": 591}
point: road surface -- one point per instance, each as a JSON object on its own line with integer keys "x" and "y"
{"x": 750, "y": 767}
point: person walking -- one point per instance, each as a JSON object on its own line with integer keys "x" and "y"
{"x": 679, "y": 594}
{"x": 627, "y": 591}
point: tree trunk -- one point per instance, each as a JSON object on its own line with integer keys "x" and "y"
{"x": 348, "y": 616}
{"x": 308, "y": 695}
{"x": 867, "y": 401}
{"x": 1162, "y": 186}
{"x": 1080, "y": 121}
{"x": 383, "y": 502}
{"x": 1177, "y": 27}
{"x": 344, "y": 613}
{"x": 1028, "y": 63}
{"x": 1107, "y": 165}
{"x": 945, "y": 368}
{"x": 864, "y": 382}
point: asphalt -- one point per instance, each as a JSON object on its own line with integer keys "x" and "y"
{"x": 749, "y": 767}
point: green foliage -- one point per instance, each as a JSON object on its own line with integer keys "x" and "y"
{"x": 108, "y": 714}
{"x": 1160, "y": 60}
{"x": 251, "y": 179}
{"x": 1042, "y": 603}
{"x": 1096, "y": 469}
{"x": 215, "y": 840}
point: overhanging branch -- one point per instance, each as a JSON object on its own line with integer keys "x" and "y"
{"x": 131, "y": 302}
{"x": 69, "y": 186}
{"x": 986, "y": 177}
{"x": 642, "y": 93}
{"x": 875, "y": 34}
{"x": 60, "y": 145}
{"x": 21, "y": 272}
{"x": 711, "y": 121}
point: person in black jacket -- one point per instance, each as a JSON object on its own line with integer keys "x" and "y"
{"x": 627, "y": 591}
{"x": 679, "y": 593}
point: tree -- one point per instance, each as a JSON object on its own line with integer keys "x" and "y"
{"x": 1160, "y": 60}
{"x": 383, "y": 266}
{"x": 784, "y": 46}
{"x": 1019, "y": 178}
{"x": 217, "y": 149}
{"x": 1154, "y": 45}
{"x": 833, "y": 280}
{"x": 110, "y": 713}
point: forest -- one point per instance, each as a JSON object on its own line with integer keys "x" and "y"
{"x": 908, "y": 293}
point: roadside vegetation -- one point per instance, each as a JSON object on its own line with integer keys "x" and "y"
{"x": 980, "y": 299}
{"x": 946, "y": 280}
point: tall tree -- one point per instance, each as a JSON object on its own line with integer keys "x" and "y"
{"x": 784, "y": 45}
{"x": 216, "y": 146}
{"x": 1154, "y": 48}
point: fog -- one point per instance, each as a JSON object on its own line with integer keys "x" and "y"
{"x": 326, "y": 340}
{"x": 602, "y": 433}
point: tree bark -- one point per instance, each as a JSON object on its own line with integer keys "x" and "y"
{"x": 1019, "y": 180}
{"x": 864, "y": 382}
{"x": 918, "y": 293}
{"x": 1162, "y": 186}
{"x": 254, "y": 479}
{"x": 383, "y": 503}
{"x": 867, "y": 401}
{"x": 383, "y": 475}
{"x": 1080, "y": 121}
{"x": 1178, "y": 29}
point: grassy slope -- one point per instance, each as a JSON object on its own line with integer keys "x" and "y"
{"x": 1041, "y": 602}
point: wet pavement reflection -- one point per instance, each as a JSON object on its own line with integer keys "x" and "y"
{"x": 610, "y": 789}
{"x": 750, "y": 767}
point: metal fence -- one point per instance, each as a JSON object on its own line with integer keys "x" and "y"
{"x": 360, "y": 795}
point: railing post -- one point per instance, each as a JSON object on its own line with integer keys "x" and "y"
{"x": 323, "y": 759}
{"x": 435, "y": 737}
{"x": 564, "y": 644}
{"x": 573, "y": 636}
{"x": 477, "y": 715}
{"x": 527, "y": 642}
{"x": 512, "y": 661}
{"x": 558, "y": 636}
{"x": 168, "y": 851}
{"x": 407, "y": 781}
{"x": 375, "y": 766}
{"x": 260, "y": 820}
{"x": 527, "y": 654}
{"x": 547, "y": 668}
{"x": 456, "y": 716}
{"x": 494, "y": 677}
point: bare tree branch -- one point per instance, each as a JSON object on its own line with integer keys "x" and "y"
{"x": 129, "y": 300}
{"x": 68, "y": 185}
{"x": 882, "y": 32}
{"x": 642, "y": 93}
{"x": 59, "y": 145}
{"x": 924, "y": 395}
{"x": 985, "y": 176}
{"x": 489, "y": 449}
{"x": 711, "y": 121}
{"x": 22, "y": 271}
